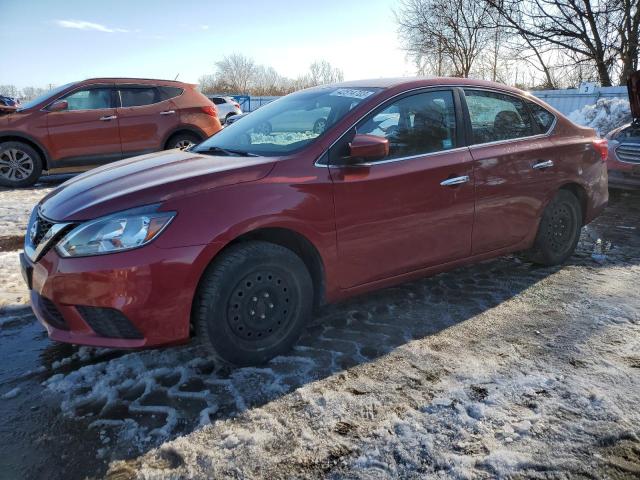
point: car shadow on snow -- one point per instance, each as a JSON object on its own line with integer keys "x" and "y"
{"x": 135, "y": 401}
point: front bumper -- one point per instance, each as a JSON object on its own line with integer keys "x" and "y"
{"x": 625, "y": 179}
{"x": 135, "y": 299}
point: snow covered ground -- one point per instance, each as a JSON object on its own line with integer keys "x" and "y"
{"x": 501, "y": 369}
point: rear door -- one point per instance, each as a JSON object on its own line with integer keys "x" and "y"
{"x": 87, "y": 132}
{"x": 514, "y": 167}
{"x": 414, "y": 208}
{"x": 147, "y": 115}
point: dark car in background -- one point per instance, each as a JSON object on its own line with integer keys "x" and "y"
{"x": 624, "y": 144}
{"x": 84, "y": 124}
{"x": 236, "y": 240}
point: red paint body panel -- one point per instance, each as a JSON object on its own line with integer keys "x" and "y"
{"x": 372, "y": 226}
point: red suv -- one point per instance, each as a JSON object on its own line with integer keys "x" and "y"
{"x": 96, "y": 121}
{"x": 237, "y": 239}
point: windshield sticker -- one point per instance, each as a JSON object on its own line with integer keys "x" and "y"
{"x": 352, "y": 93}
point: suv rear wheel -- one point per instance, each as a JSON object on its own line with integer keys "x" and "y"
{"x": 559, "y": 230}
{"x": 20, "y": 165}
{"x": 182, "y": 140}
{"x": 253, "y": 303}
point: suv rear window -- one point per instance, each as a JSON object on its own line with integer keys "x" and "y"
{"x": 169, "y": 92}
{"x": 138, "y": 96}
{"x": 217, "y": 100}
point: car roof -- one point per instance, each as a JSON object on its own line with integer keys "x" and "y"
{"x": 417, "y": 82}
{"x": 149, "y": 81}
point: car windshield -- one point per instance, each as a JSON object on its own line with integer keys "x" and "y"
{"x": 287, "y": 124}
{"x": 41, "y": 98}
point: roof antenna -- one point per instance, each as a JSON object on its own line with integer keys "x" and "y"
{"x": 176, "y": 77}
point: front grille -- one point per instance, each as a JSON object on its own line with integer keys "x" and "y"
{"x": 629, "y": 152}
{"x": 109, "y": 322}
{"x": 43, "y": 227}
{"x": 54, "y": 317}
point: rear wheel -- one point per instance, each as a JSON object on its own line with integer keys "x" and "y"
{"x": 20, "y": 165}
{"x": 229, "y": 115}
{"x": 182, "y": 140}
{"x": 559, "y": 230}
{"x": 253, "y": 303}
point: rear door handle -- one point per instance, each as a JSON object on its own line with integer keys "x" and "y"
{"x": 454, "y": 181}
{"x": 108, "y": 117}
{"x": 543, "y": 165}
{"x": 168, "y": 112}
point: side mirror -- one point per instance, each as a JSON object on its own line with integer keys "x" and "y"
{"x": 368, "y": 147}
{"x": 59, "y": 106}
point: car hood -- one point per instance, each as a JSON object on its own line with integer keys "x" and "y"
{"x": 633, "y": 89}
{"x": 147, "y": 179}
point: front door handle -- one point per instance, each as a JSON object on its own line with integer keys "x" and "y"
{"x": 454, "y": 181}
{"x": 168, "y": 112}
{"x": 543, "y": 165}
{"x": 108, "y": 117}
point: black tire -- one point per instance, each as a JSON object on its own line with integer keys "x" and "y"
{"x": 20, "y": 165}
{"x": 252, "y": 303}
{"x": 229, "y": 115}
{"x": 559, "y": 230}
{"x": 182, "y": 140}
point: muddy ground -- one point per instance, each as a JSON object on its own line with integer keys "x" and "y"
{"x": 502, "y": 369}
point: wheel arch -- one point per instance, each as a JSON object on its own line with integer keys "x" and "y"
{"x": 581, "y": 194}
{"x": 183, "y": 129}
{"x": 20, "y": 137}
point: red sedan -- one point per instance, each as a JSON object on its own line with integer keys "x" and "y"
{"x": 239, "y": 238}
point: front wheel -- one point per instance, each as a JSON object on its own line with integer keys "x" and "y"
{"x": 20, "y": 165}
{"x": 253, "y": 303}
{"x": 559, "y": 230}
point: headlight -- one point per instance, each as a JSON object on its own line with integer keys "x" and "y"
{"x": 115, "y": 233}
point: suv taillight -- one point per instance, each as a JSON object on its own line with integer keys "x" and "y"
{"x": 236, "y": 104}
{"x": 210, "y": 110}
{"x": 602, "y": 147}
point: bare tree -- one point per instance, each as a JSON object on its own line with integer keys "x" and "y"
{"x": 444, "y": 36}
{"x": 585, "y": 31}
{"x": 29, "y": 93}
{"x": 628, "y": 46}
{"x": 322, "y": 72}
{"x": 235, "y": 72}
{"x": 9, "y": 91}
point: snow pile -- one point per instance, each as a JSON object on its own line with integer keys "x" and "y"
{"x": 16, "y": 206}
{"x": 604, "y": 116}
{"x": 13, "y": 289}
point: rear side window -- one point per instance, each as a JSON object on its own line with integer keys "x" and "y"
{"x": 89, "y": 99}
{"x": 415, "y": 125}
{"x": 138, "y": 96}
{"x": 169, "y": 92}
{"x": 496, "y": 117}
{"x": 542, "y": 117}
{"x": 217, "y": 100}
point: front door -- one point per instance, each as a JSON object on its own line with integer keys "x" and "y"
{"x": 87, "y": 132}
{"x": 413, "y": 209}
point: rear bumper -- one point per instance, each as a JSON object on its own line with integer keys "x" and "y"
{"x": 135, "y": 299}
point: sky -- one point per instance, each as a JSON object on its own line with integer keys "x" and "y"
{"x": 56, "y": 42}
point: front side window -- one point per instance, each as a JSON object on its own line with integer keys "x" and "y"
{"x": 415, "y": 125}
{"x": 287, "y": 124}
{"x": 89, "y": 99}
{"x": 496, "y": 117}
{"x": 138, "y": 96}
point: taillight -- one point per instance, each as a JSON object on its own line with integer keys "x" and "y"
{"x": 602, "y": 147}
{"x": 236, "y": 104}
{"x": 210, "y": 110}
